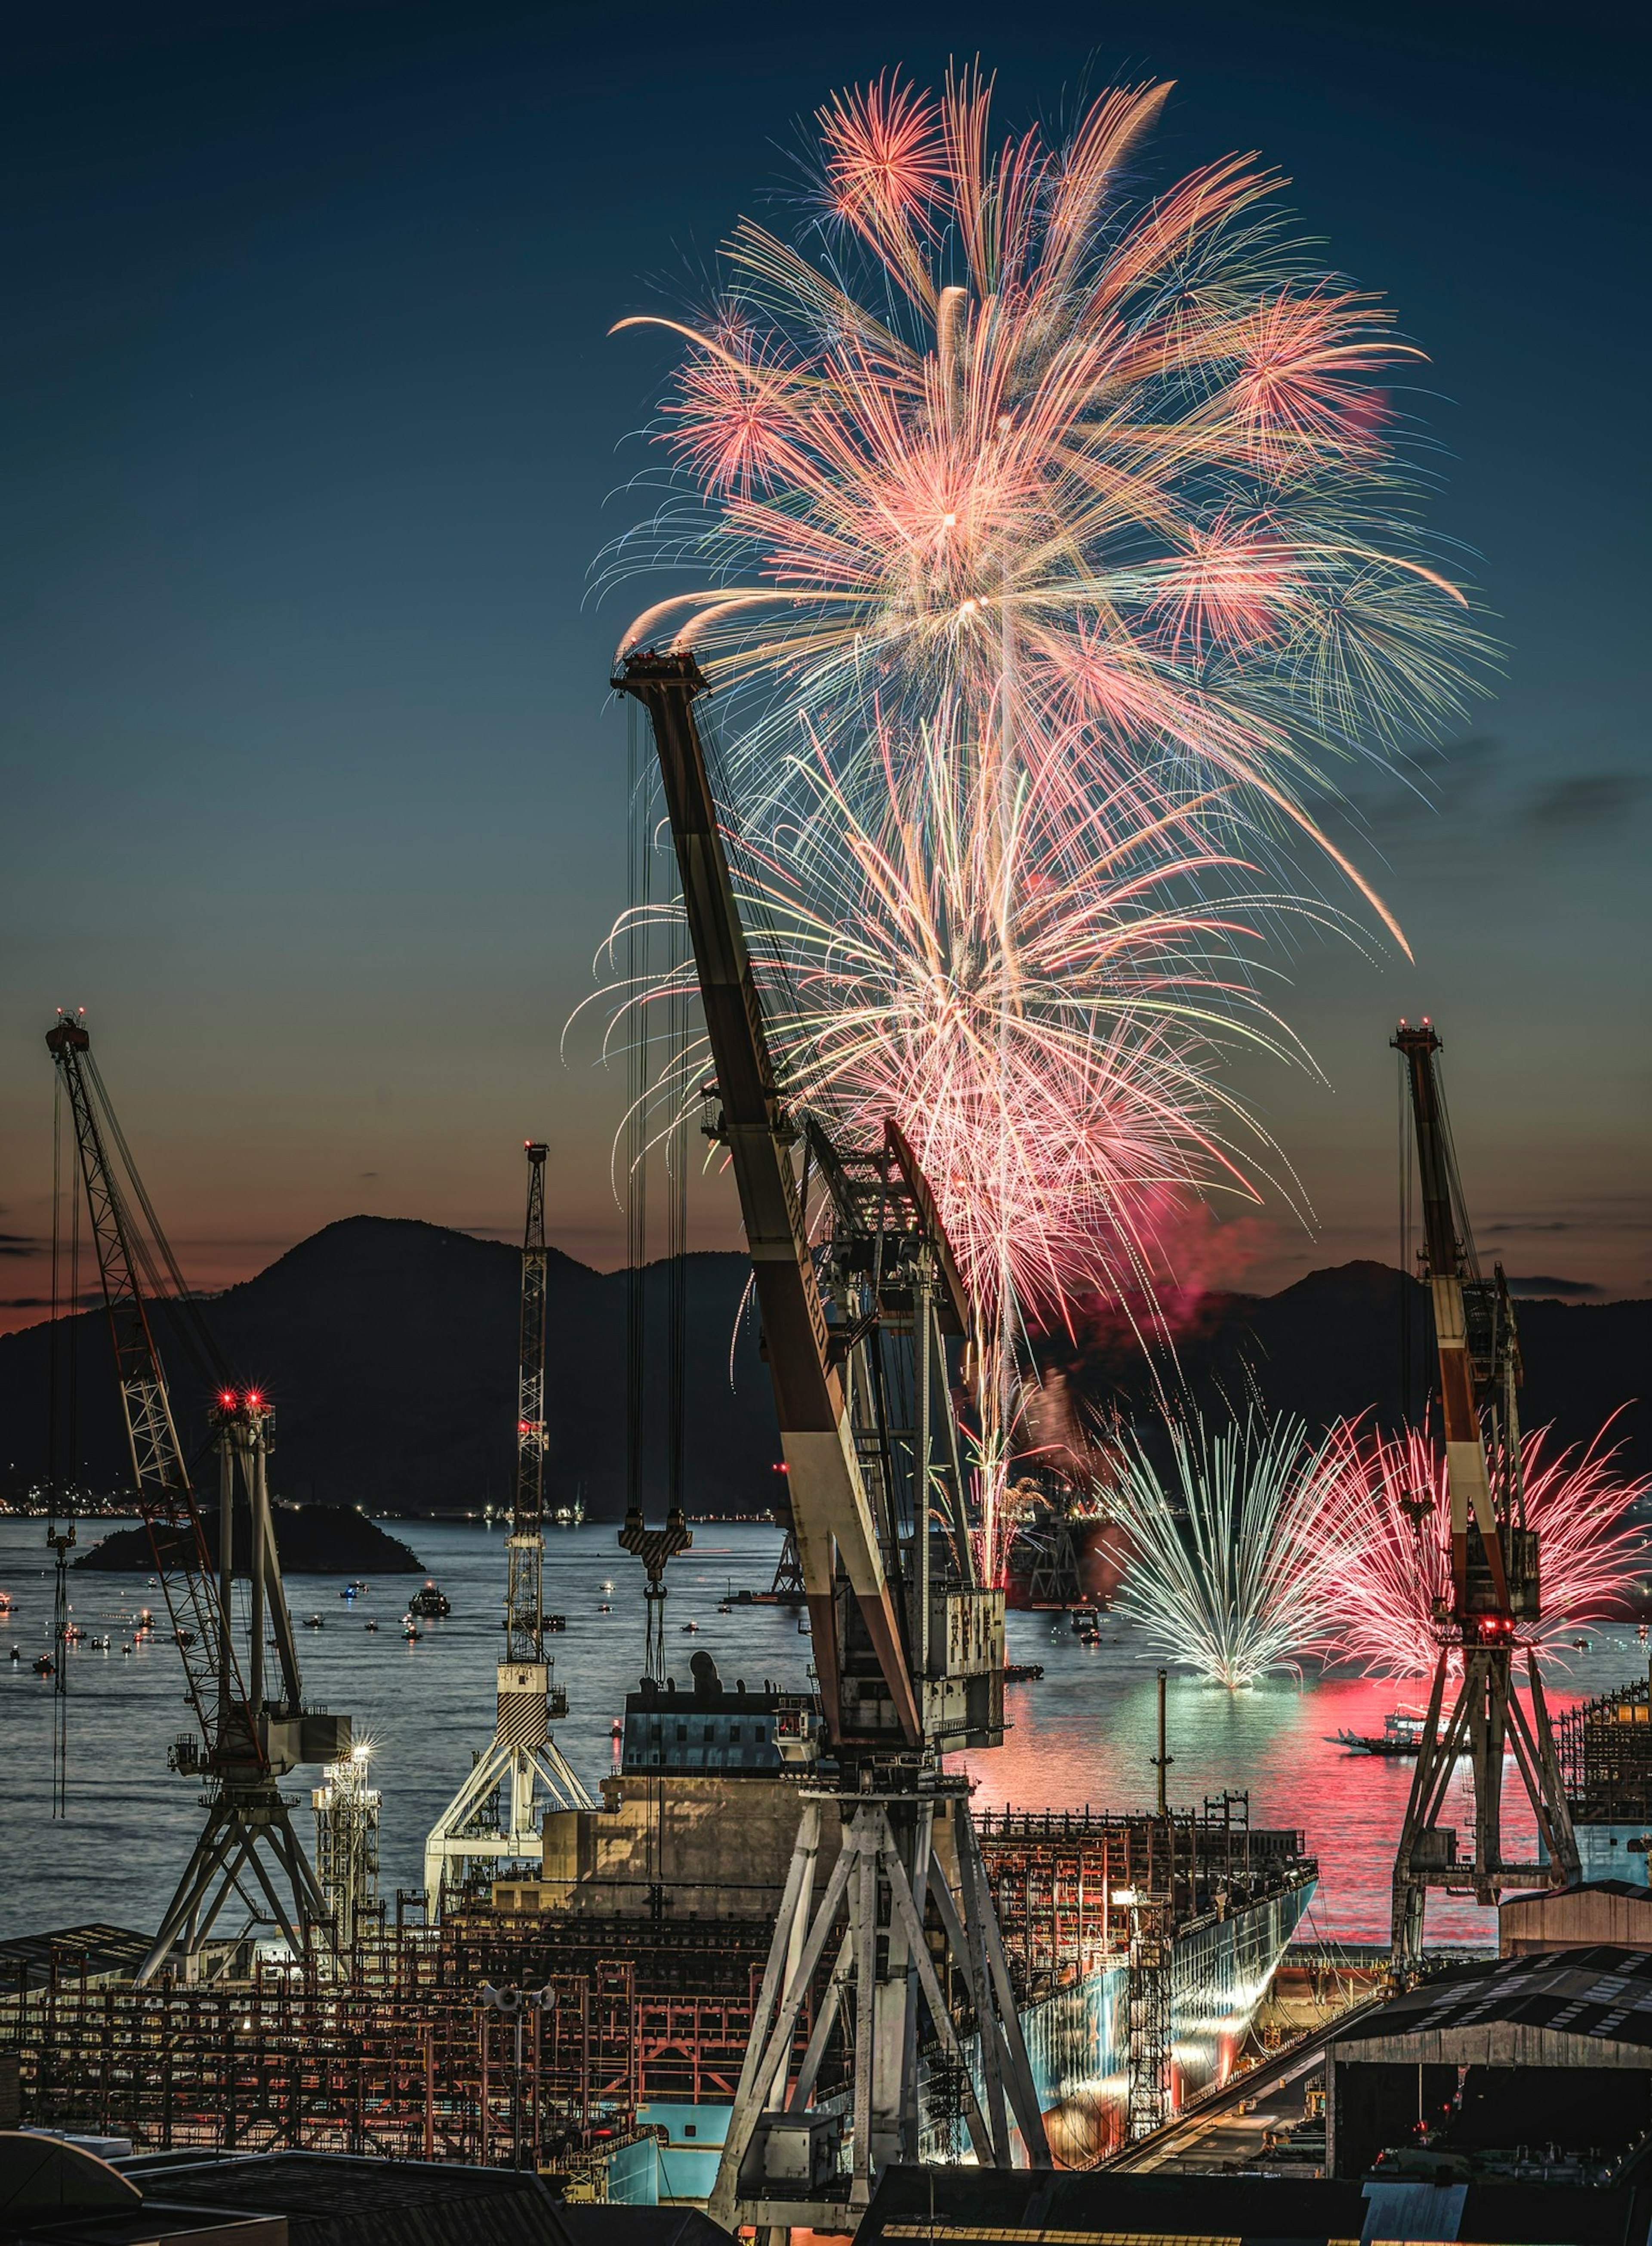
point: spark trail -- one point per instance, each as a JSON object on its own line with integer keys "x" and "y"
{"x": 1232, "y": 1554}
{"x": 1397, "y": 1567}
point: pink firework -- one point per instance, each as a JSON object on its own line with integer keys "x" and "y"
{"x": 1396, "y": 1517}
{"x": 1121, "y": 472}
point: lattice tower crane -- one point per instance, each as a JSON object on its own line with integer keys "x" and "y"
{"x": 908, "y": 1644}
{"x": 1494, "y": 1584}
{"x": 246, "y": 1743}
{"x": 496, "y": 1812}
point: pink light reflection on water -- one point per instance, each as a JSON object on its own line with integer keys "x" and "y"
{"x": 1086, "y": 1732}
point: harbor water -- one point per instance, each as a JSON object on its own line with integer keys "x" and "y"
{"x": 1083, "y": 1733}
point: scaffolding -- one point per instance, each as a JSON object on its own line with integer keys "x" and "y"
{"x": 346, "y": 1808}
{"x": 1605, "y": 1748}
{"x": 399, "y": 2054}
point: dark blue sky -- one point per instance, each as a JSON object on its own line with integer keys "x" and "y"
{"x": 307, "y": 420}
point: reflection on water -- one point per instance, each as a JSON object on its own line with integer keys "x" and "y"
{"x": 1085, "y": 1733}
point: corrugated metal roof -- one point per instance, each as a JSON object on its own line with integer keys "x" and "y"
{"x": 1602, "y": 1991}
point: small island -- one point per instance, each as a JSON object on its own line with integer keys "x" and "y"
{"x": 312, "y": 1540}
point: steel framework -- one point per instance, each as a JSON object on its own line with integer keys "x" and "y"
{"x": 495, "y": 1816}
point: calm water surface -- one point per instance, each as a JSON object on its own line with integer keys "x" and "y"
{"x": 1082, "y": 1734}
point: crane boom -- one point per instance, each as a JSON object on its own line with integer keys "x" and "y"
{"x": 1454, "y": 1283}
{"x": 831, "y": 1513}
{"x": 248, "y": 1852}
{"x": 525, "y": 1592}
{"x": 166, "y": 1500}
{"x": 1494, "y": 1581}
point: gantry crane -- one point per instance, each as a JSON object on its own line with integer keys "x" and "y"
{"x": 247, "y": 1742}
{"x": 908, "y": 1644}
{"x": 522, "y": 1758}
{"x": 1494, "y": 1565}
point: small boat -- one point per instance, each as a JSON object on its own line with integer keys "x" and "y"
{"x": 184, "y": 1639}
{"x": 127, "y": 1648}
{"x": 359, "y": 1586}
{"x": 688, "y": 1629}
{"x": 5, "y": 1603}
{"x": 409, "y": 1632}
{"x": 429, "y": 1602}
{"x": 313, "y": 1622}
{"x": 724, "y": 1607}
{"x": 16, "y": 1653}
{"x": 371, "y": 1625}
{"x": 44, "y": 1665}
{"x": 1023, "y": 1672}
{"x": 603, "y": 1607}
{"x": 607, "y": 1584}
{"x": 72, "y": 1634}
{"x": 1582, "y": 1645}
{"x": 349, "y": 1591}
{"x": 99, "y": 1644}
{"x": 1402, "y": 1734}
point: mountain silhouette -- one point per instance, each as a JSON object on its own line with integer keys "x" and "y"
{"x": 388, "y": 1348}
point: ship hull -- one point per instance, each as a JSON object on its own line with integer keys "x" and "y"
{"x": 1078, "y": 2036}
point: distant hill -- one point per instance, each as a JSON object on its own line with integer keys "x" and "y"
{"x": 388, "y": 1348}
{"x": 1331, "y": 1344}
{"x": 312, "y": 1540}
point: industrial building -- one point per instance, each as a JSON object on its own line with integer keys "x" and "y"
{"x": 1535, "y": 2066}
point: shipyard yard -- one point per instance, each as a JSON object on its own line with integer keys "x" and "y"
{"x": 824, "y": 1362}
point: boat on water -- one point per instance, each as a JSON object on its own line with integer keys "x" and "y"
{"x": 429, "y": 1603}
{"x": 1403, "y": 1733}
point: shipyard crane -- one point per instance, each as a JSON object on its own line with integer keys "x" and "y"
{"x": 522, "y": 1758}
{"x": 908, "y": 1644}
{"x": 1494, "y": 1569}
{"x": 247, "y": 1741}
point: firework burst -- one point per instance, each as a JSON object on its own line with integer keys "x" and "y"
{"x": 1056, "y": 548}
{"x": 1118, "y": 471}
{"x": 1397, "y": 1569}
{"x": 1233, "y": 1553}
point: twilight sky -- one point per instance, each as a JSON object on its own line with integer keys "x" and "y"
{"x": 311, "y": 428}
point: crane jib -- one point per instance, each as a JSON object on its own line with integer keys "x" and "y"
{"x": 830, "y": 1508}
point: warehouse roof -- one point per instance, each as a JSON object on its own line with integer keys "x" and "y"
{"x": 1604, "y": 1992}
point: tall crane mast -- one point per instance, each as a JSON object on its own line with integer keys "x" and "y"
{"x": 496, "y": 1813}
{"x": 908, "y": 1646}
{"x": 247, "y": 1743}
{"x": 1494, "y": 1561}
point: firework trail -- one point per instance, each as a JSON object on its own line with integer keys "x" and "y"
{"x": 1234, "y": 1556}
{"x": 1395, "y": 1570}
{"x": 1060, "y": 549}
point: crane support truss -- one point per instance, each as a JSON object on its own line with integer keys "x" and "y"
{"x": 908, "y": 1645}
{"x": 248, "y": 1854}
{"x": 496, "y": 1815}
{"x": 1494, "y": 1565}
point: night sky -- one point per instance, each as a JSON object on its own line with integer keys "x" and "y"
{"x": 311, "y": 429}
